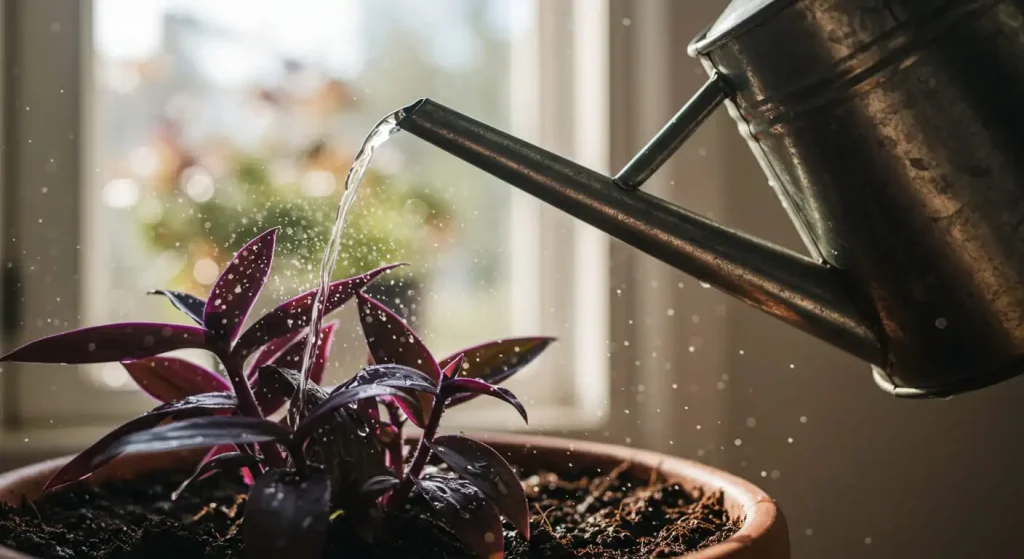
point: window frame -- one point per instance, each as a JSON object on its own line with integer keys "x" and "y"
{"x": 70, "y": 411}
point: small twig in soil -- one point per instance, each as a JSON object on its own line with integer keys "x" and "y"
{"x": 601, "y": 486}
{"x": 544, "y": 517}
{"x": 234, "y": 508}
{"x": 204, "y": 512}
{"x": 233, "y": 528}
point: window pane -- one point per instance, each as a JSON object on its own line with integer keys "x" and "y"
{"x": 218, "y": 120}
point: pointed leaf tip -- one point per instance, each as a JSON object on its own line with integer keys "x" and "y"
{"x": 391, "y": 340}
{"x": 192, "y": 306}
{"x": 460, "y": 386}
{"x": 238, "y": 287}
{"x": 496, "y": 361}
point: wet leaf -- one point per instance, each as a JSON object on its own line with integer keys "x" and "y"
{"x": 86, "y": 462}
{"x": 220, "y": 462}
{"x": 291, "y": 359}
{"x": 342, "y": 443}
{"x": 379, "y": 485}
{"x": 465, "y": 510}
{"x": 482, "y": 466}
{"x": 227, "y": 449}
{"x": 392, "y": 341}
{"x": 108, "y": 343}
{"x": 494, "y": 362}
{"x": 287, "y": 516}
{"x": 169, "y": 379}
{"x": 453, "y": 388}
{"x": 395, "y": 376}
{"x": 320, "y": 414}
{"x": 237, "y": 288}
{"x": 192, "y": 306}
{"x": 196, "y": 432}
{"x": 271, "y": 351}
{"x": 295, "y": 313}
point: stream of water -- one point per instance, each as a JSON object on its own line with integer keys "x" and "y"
{"x": 384, "y": 129}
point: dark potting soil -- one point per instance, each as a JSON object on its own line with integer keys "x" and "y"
{"x": 622, "y": 518}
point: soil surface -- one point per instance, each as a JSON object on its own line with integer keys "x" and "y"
{"x": 584, "y": 515}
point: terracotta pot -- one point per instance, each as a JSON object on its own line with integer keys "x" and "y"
{"x": 763, "y": 534}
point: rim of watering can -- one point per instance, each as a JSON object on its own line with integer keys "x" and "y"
{"x": 736, "y": 19}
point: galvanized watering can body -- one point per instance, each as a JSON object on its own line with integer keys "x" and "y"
{"x": 892, "y": 133}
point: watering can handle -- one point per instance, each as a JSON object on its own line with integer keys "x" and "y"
{"x": 665, "y": 143}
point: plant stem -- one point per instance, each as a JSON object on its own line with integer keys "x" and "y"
{"x": 299, "y": 459}
{"x": 419, "y": 461}
{"x": 394, "y": 448}
{"x": 247, "y": 401}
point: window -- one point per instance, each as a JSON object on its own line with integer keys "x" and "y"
{"x": 185, "y": 127}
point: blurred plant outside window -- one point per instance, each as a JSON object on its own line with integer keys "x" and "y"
{"x": 214, "y": 121}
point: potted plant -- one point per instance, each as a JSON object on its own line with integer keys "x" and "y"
{"x": 263, "y": 462}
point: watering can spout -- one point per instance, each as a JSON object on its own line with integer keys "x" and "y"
{"x": 793, "y": 288}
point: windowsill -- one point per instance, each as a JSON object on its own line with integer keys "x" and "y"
{"x": 20, "y": 446}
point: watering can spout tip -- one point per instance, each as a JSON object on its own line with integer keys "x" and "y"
{"x": 408, "y": 110}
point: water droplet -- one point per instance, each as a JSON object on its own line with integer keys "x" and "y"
{"x": 704, "y": 284}
{"x": 738, "y": 442}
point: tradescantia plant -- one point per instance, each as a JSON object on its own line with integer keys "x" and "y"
{"x": 342, "y": 459}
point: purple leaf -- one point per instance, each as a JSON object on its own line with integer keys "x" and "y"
{"x": 287, "y": 516}
{"x": 392, "y": 341}
{"x": 482, "y": 466}
{"x": 237, "y": 288}
{"x": 196, "y": 432}
{"x": 458, "y": 386}
{"x": 271, "y": 351}
{"x": 335, "y": 401}
{"x": 291, "y": 359}
{"x": 227, "y": 449}
{"x": 295, "y": 313}
{"x": 395, "y": 376}
{"x": 85, "y": 462}
{"x": 466, "y": 512}
{"x": 274, "y": 384}
{"x": 496, "y": 361}
{"x": 169, "y": 379}
{"x": 191, "y": 305}
{"x": 110, "y": 342}
{"x": 226, "y": 461}
{"x": 379, "y": 485}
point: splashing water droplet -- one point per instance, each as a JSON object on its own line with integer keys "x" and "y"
{"x": 387, "y": 127}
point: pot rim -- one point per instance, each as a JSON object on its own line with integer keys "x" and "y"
{"x": 762, "y": 534}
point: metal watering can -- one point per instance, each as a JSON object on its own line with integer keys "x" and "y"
{"x": 892, "y": 134}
